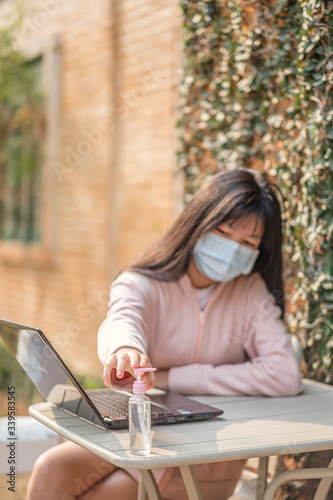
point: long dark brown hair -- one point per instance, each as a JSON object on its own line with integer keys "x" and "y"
{"x": 225, "y": 196}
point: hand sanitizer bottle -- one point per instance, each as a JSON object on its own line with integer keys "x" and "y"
{"x": 140, "y": 416}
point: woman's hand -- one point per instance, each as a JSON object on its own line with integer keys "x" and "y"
{"x": 125, "y": 360}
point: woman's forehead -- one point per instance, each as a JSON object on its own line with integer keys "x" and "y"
{"x": 250, "y": 223}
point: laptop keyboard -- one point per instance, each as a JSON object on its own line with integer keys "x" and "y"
{"x": 117, "y": 404}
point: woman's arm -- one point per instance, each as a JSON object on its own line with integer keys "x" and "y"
{"x": 271, "y": 368}
{"x": 269, "y": 376}
{"x": 121, "y": 337}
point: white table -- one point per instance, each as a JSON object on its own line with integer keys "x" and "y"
{"x": 249, "y": 427}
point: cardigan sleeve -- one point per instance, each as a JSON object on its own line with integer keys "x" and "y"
{"x": 271, "y": 368}
{"x": 126, "y": 319}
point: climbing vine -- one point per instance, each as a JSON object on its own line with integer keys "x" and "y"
{"x": 257, "y": 91}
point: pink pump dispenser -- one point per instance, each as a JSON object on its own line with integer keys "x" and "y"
{"x": 140, "y": 415}
{"x": 139, "y": 387}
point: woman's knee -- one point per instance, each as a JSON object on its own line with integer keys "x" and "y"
{"x": 43, "y": 475}
{"x": 52, "y": 473}
{"x": 65, "y": 471}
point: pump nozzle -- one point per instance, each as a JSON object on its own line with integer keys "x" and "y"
{"x": 139, "y": 387}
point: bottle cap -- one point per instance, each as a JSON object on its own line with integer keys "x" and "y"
{"x": 139, "y": 387}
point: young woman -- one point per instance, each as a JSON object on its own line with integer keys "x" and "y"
{"x": 204, "y": 305}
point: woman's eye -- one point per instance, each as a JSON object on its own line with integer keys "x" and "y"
{"x": 249, "y": 244}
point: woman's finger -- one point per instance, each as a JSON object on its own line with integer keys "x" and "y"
{"x": 109, "y": 365}
{"x": 149, "y": 380}
{"x": 144, "y": 361}
{"x": 122, "y": 364}
{"x": 135, "y": 359}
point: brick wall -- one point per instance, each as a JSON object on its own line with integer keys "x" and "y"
{"x": 112, "y": 186}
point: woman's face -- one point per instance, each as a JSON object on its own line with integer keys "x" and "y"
{"x": 247, "y": 230}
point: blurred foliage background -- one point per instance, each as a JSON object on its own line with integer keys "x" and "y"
{"x": 257, "y": 92}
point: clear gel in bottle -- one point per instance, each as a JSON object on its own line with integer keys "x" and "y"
{"x": 140, "y": 416}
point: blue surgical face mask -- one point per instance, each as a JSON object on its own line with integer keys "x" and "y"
{"x": 222, "y": 259}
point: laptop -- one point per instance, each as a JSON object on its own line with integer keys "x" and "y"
{"x": 106, "y": 407}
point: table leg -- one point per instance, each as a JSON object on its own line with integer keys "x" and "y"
{"x": 191, "y": 482}
{"x": 262, "y": 478}
{"x": 142, "y": 492}
{"x": 148, "y": 486}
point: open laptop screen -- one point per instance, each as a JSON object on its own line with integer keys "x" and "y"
{"x": 40, "y": 362}
{"x": 33, "y": 355}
